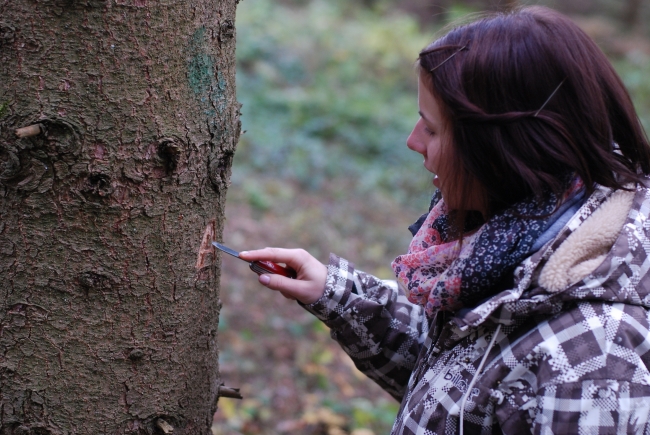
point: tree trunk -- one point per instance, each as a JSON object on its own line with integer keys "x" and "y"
{"x": 109, "y": 293}
{"x": 632, "y": 16}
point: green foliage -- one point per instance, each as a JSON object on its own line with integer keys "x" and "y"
{"x": 3, "y": 108}
{"x": 329, "y": 91}
{"x": 257, "y": 197}
{"x": 376, "y": 415}
{"x": 634, "y": 71}
{"x": 460, "y": 12}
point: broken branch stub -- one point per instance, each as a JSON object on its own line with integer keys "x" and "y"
{"x": 232, "y": 393}
{"x": 30, "y": 130}
{"x": 165, "y": 427}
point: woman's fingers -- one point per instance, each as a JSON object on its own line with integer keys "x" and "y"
{"x": 293, "y": 258}
{"x": 309, "y": 284}
{"x": 305, "y": 291}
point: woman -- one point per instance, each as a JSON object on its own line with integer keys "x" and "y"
{"x": 522, "y": 303}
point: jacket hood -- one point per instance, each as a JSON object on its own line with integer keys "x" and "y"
{"x": 580, "y": 263}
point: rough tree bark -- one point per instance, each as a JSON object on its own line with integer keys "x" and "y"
{"x": 109, "y": 296}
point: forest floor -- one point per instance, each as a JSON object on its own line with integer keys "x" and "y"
{"x": 294, "y": 378}
{"x": 312, "y": 119}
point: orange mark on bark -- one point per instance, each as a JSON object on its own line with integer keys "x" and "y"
{"x": 206, "y": 244}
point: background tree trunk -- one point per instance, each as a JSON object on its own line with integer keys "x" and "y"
{"x": 109, "y": 297}
{"x": 632, "y": 15}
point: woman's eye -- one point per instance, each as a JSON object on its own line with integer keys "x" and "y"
{"x": 429, "y": 132}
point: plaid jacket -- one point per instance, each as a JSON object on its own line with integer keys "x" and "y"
{"x": 563, "y": 362}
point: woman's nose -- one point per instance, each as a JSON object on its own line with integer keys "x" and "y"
{"x": 414, "y": 141}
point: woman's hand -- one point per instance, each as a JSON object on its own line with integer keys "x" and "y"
{"x": 309, "y": 285}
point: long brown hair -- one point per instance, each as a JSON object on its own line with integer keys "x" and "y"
{"x": 532, "y": 100}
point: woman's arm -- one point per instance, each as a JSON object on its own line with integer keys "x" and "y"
{"x": 370, "y": 318}
{"x": 374, "y": 323}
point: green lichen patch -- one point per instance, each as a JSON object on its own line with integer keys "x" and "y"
{"x": 200, "y": 68}
{"x": 4, "y": 109}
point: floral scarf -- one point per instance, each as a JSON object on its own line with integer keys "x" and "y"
{"x": 442, "y": 274}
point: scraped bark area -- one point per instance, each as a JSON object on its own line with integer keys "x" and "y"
{"x": 118, "y": 122}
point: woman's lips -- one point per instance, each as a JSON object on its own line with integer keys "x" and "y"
{"x": 436, "y": 181}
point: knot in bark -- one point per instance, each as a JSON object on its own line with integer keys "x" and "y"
{"x": 9, "y": 165}
{"x": 97, "y": 184}
{"x": 90, "y": 280}
{"x": 169, "y": 152}
{"x": 136, "y": 354}
{"x": 228, "y": 29}
{"x": 60, "y": 138}
{"x": 219, "y": 169}
{"x": 7, "y": 35}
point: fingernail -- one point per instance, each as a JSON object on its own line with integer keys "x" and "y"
{"x": 265, "y": 279}
{"x": 243, "y": 252}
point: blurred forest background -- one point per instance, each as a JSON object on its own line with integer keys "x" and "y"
{"x": 329, "y": 96}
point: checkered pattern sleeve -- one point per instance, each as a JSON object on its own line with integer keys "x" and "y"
{"x": 374, "y": 323}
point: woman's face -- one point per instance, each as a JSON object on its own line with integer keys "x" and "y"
{"x": 431, "y": 137}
